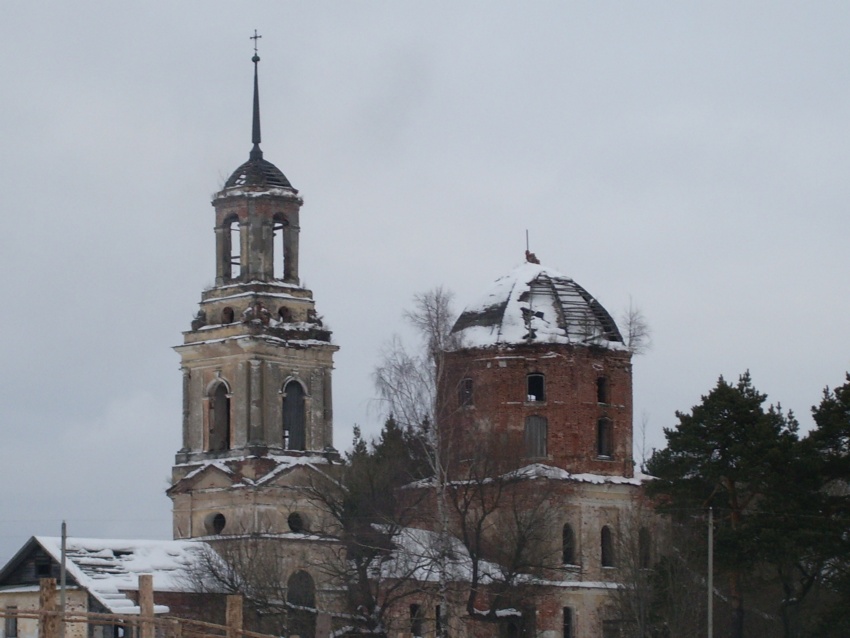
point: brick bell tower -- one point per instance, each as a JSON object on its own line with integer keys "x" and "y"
{"x": 256, "y": 366}
{"x": 541, "y": 367}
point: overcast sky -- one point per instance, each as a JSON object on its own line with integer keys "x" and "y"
{"x": 693, "y": 160}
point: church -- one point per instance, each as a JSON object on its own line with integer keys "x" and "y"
{"x": 535, "y": 394}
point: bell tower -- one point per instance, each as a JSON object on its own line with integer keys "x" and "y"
{"x": 256, "y": 362}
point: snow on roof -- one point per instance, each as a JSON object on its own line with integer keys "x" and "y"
{"x": 539, "y": 470}
{"x": 536, "y": 304}
{"x": 108, "y": 568}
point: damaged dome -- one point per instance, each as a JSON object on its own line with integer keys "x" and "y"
{"x": 535, "y": 304}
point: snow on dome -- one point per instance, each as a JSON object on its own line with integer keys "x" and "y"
{"x": 535, "y": 304}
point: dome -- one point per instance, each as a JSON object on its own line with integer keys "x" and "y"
{"x": 258, "y": 172}
{"x": 535, "y": 304}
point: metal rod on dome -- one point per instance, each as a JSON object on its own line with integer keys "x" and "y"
{"x": 62, "y": 577}
{"x": 256, "y": 153}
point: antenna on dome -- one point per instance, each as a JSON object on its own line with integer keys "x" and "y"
{"x": 256, "y": 153}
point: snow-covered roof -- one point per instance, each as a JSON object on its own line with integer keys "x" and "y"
{"x": 109, "y": 568}
{"x": 536, "y": 304}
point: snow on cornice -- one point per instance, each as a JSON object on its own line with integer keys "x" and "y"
{"x": 265, "y": 192}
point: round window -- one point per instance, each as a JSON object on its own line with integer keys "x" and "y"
{"x": 296, "y": 522}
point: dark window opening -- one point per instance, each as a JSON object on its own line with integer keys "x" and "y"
{"x": 227, "y": 315}
{"x": 536, "y": 387}
{"x": 416, "y": 620}
{"x": 568, "y": 545}
{"x": 535, "y": 436}
{"x": 43, "y": 567}
{"x": 602, "y": 390}
{"x": 215, "y": 523}
{"x": 284, "y": 314}
{"x": 604, "y": 438}
{"x": 607, "y": 553}
{"x": 294, "y": 425}
{"x": 301, "y": 601}
{"x": 296, "y": 522}
{"x": 644, "y": 548}
{"x": 438, "y": 621}
{"x": 569, "y": 629}
{"x": 219, "y": 419}
{"x": 464, "y": 393}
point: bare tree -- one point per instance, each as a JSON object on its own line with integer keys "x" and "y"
{"x": 638, "y": 334}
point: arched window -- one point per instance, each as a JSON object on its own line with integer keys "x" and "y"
{"x": 568, "y": 622}
{"x": 602, "y": 390}
{"x": 604, "y": 438}
{"x": 301, "y": 603}
{"x": 294, "y": 425}
{"x": 219, "y": 419}
{"x": 464, "y": 393}
{"x": 535, "y": 436}
{"x": 227, "y": 315}
{"x": 233, "y": 247}
{"x": 535, "y": 387}
{"x": 644, "y": 548}
{"x": 607, "y": 553}
{"x": 278, "y": 225}
{"x": 568, "y": 545}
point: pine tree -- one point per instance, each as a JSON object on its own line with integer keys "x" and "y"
{"x": 725, "y": 455}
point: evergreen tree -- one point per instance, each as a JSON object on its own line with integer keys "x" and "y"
{"x": 726, "y": 455}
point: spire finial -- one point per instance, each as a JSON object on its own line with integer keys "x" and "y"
{"x": 256, "y": 153}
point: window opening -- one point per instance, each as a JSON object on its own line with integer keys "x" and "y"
{"x": 607, "y": 554}
{"x": 234, "y": 247}
{"x": 43, "y": 568}
{"x": 301, "y": 600}
{"x": 438, "y": 621}
{"x": 219, "y": 421}
{"x": 296, "y": 522}
{"x": 294, "y": 427}
{"x": 568, "y": 622}
{"x": 464, "y": 393}
{"x": 568, "y": 545}
{"x": 279, "y": 238}
{"x": 11, "y": 623}
{"x": 416, "y": 620}
{"x": 218, "y": 523}
{"x": 536, "y": 387}
{"x": 535, "y": 436}
{"x": 644, "y": 548}
{"x": 227, "y": 315}
{"x": 602, "y": 390}
{"x": 604, "y": 438}
{"x": 284, "y": 314}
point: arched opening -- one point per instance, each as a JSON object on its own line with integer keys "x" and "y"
{"x": 604, "y": 438}
{"x": 215, "y": 523}
{"x": 607, "y": 549}
{"x": 602, "y": 390}
{"x": 644, "y": 548}
{"x": 284, "y": 314}
{"x": 301, "y": 604}
{"x": 568, "y": 622}
{"x": 568, "y": 545}
{"x": 535, "y": 436}
{"x": 227, "y": 315}
{"x": 535, "y": 387}
{"x": 294, "y": 421}
{"x": 219, "y": 419}
{"x": 464, "y": 393}
{"x": 233, "y": 247}
{"x": 296, "y": 522}
{"x": 278, "y": 245}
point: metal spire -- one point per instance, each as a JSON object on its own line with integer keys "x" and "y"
{"x": 256, "y": 153}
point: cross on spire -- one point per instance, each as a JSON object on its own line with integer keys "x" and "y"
{"x": 256, "y": 153}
